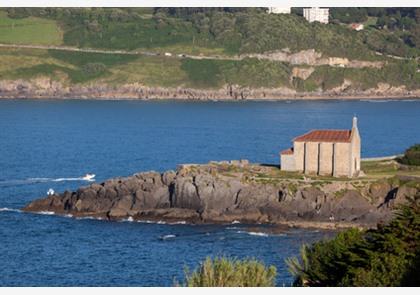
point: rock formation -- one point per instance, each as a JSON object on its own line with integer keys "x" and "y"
{"x": 232, "y": 191}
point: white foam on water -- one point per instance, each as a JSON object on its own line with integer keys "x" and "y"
{"x": 46, "y": 212}
{"x": 379, "y": 100}
{"x": 257, "y": 234}
{"x": 165, "y": 237}
{"x": 9, "y": 209}
{"x": 13, "y": 182}
{"x": 178, "y": 222}
{"x": 232, "y": 227}
{"x": 89, "y": 217}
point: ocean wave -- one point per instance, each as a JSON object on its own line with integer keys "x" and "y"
{"x": 234, "y": 228}
{"x": 257, "y": 234}
{"x": 178, "y": 222}
{"x": 390, "y": 100}
{"x": 89, "y": 217}
{"x": 128, "y": 219}
{"x": 380, "y": 100}
{"x": 260, "y": 234}
{"x": 150, "y": 221}
{"x": 46, "y": 212}
{"x": 165, "y": 237}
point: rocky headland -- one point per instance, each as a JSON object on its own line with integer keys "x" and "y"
{"x": 235, "y": 191}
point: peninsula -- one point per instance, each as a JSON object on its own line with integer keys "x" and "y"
{"x": 237, "y": 191}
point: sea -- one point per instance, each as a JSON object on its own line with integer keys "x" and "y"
{"x": 51, "y": 144}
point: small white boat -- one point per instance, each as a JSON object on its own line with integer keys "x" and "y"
{"x": 88, "y": 176}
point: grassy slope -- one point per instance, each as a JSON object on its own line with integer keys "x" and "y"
{"x": 164, "y": 71}
{"x": 202, "y": 74}
{"x": 29, "y": 30}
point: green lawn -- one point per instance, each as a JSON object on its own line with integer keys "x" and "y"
{"x": 29, "y": 30}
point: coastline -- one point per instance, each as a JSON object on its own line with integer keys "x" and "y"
{"x": 45, "y": 88}
{"x": 236, "y": 192}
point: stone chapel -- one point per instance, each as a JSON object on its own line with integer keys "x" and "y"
{"x": 324, "y": 152}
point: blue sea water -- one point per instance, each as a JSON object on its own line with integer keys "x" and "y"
{"x": 52, "y": 143}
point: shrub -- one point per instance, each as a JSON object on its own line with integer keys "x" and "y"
{"x": 384, "y": 257}
{"x": 229, "y": 272}
{"x": 412, "y": 155}
{"x": 94, "y": 69}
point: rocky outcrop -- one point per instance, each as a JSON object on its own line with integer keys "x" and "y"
{"x": 48, "y": 88}
{"x": 227, "y": 192}
{"x": 313, "y": 58}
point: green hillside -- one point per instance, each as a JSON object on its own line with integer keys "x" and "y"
{"x": 391, "y": 38}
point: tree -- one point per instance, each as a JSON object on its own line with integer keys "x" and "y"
{"x": 386, "y": 256}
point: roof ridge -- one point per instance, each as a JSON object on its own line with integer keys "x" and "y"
{"x": 325, "y": 135}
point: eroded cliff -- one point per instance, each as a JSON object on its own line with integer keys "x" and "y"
{"x": 234, "y": 191}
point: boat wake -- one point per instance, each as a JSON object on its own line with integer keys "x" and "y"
{"x": 9, "y": 209}
{"x": 15, "y": 182}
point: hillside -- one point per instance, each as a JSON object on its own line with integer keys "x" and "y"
{"x": 205, "y": 53}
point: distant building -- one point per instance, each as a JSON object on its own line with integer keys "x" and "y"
{"x": 316, "y": 14}
{"x": 324, "y": 152}
{"x": 279, "y": 10}
{"x": 356, "y": 26}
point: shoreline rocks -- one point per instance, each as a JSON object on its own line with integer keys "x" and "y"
{"x": 47, "y": 88}
{"x": 226, "y": 193}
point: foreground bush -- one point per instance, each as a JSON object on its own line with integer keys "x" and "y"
{"x": 412, "y": 155}
{"x": 387, "y": 256}
{"x": 228, "y": 272}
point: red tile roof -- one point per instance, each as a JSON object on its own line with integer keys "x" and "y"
{"x": 287, "y": 152}
{"x": 325, "y": 136}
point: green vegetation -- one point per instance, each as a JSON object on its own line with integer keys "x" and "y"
{"x": 412, "y": 156}
{"x": 32, "y": 30}
{"x": 79, "y": 66}
{"x": 236, "y": 30}
{"x": 388, "y": 169}
{"x": 229, "y": 272}
{"x": 248, "y": 72}
{"x": 210, "y": 31}
{"x": 387, "y": 256}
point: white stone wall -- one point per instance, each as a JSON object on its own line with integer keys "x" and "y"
{"x": 311, "y": 157}
{"x": 326, "y": 158}
{"x": 299, "y": 152}
{"x": 341, "y": 159}
{"x": 355, "y": 152}
{"x": 287, "y": 162}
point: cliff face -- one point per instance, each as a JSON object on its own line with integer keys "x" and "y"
{"x": 228, "y": 192}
